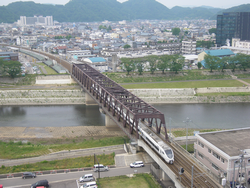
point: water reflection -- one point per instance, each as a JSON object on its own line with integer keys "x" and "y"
{"x": 12, "y": 111}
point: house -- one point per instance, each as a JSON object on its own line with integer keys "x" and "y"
{"x": 226, "y": 153}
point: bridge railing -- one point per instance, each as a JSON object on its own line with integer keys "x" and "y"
{"x": 128, "y": 108}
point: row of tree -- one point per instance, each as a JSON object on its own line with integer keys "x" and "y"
{"x": 241, "y": 61}
{"x": 11, "y": 68}
{"x": 152, "y": 63}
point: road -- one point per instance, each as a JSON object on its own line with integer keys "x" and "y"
{"x": 69, "y": 180}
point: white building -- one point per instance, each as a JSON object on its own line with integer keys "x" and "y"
{"x": 236, "y": 42}
{"x": 188, "y": 47}
{"x": 220, "y": 152}
{"x": 36, "y": 20}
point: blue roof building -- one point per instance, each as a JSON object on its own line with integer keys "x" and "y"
{"x": 218, "y": 53}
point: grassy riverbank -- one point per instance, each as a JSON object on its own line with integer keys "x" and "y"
{"x": 18, "y": 150}
{"x": 79, "y": 162}
{"x": 189, "y": 84}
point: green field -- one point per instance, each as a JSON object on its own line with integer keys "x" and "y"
{"x": 137, "y": 181}
{"x": 47, "y": 68}
{"x": 69, "y": 163}
{"x": 190, "y": 84}
{"x": 11, "y": 150}
{"x": 246, "y": 80}
{"x": 159, "y": 77}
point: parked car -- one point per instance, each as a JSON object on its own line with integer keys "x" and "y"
{"x": 40, "y": 183}
{"x": 86, "y": 177}
{"x": 1, "y": 186}
{"x": 100, "y": 168}
{"x": 89, "y": 184}
{"x": 28, "y": 175}
{"x": 136, "y": 164}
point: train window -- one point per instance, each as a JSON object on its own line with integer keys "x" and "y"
{"x": 248, "y": 161}
{"x": 209, "y": 150}
{"x": 169, "y": 153}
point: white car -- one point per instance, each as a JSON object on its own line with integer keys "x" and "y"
{"x": 89, "y": 184}
{"x": 136, "y": 164}
{"x": 86, "y": 177}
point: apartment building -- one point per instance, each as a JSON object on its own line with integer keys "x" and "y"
{"x": 36, "y": 20}
{"x": 188, "y": 47}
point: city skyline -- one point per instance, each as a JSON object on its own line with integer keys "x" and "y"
{"x": 169, "y": 4}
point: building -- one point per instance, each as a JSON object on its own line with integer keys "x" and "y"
{"x": 98, "y": 63}
{"x": 217, "y": 53}
{"x": 232, "y": 25}
{"x": 224, "y": 152}
{"x": 40, "y": 20}
{"x": 188, "y": 47}
{"x": 9, "y": 56}
{"x": 236, "y": 42}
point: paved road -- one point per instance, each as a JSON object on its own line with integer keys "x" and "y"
{"x": 68, "y": 180}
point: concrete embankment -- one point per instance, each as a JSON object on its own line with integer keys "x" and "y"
{"x": 77, "y": 96}
{"x": 188, "y": 95}
{"x": 41, "y": 97}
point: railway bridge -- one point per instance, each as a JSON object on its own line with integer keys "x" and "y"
{"x": 126, "y": 110}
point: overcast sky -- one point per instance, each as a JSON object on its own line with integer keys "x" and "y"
{"x": 167, "y": 3}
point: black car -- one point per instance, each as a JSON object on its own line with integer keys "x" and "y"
{"x": 28, "y": 175}
{"x": 44, "y": 183}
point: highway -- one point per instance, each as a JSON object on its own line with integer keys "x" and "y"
{"x": 69, "y": 180}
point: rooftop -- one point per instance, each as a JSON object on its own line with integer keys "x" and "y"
{"x": 230, "y": 141}
{"x": 221, "y": 52}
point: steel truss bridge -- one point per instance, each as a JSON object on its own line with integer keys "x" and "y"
{"x": 125, "y": 107}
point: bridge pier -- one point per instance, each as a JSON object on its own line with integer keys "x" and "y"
{"x": 89, "y": 100}
{"x": 110, "y": 124}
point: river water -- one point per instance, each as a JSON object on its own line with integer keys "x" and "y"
{"x": 233, "y": 115}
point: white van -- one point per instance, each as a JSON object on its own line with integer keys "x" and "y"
{"x": 100, "y": 168}
{"x": 90, "y": 185}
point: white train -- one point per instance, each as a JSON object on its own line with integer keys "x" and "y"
{"x": 156, "y": 143}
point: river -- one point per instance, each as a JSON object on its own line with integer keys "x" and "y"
{"x": 223, "y": 116}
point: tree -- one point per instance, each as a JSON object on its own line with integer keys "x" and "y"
{"x": 244, "y": 61}
{"x": 232, "y": 61}
{"x": 176, "y": 31}
{"x": 223, "y": 63}
{"x": 211, "y": 62}
{"x": 139, "y": 65}
{"x": 68, "y": 37}
{"x": 126, "y": 46}
{"x": 199, "y": 65}
{"x": 109, "y": 28}
{"x": 127, "y": 64}
{"x": 177, "y": 63}
{"x": 163, "y": 62}
{"x": 152, "y": 63}
{"x": 212, "y": 30}
{"x": 13, "y": 68}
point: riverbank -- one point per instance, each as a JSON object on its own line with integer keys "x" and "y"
{"x": 63, "y": 95}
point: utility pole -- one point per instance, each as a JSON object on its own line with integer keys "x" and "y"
{"x": 186, "y": 122}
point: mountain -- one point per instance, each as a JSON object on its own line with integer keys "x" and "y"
{"x": 112, "y": 10}
{"x": 240, "y": 8}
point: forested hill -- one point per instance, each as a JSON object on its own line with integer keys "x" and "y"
{"x": 100, "y": 10}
